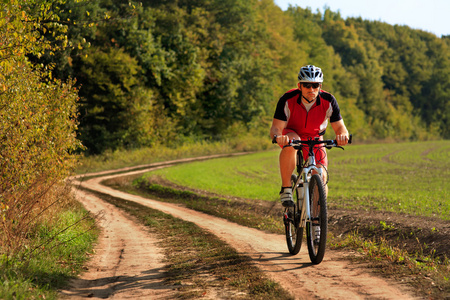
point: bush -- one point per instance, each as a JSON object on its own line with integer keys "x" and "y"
{"x": 37, "y": 129}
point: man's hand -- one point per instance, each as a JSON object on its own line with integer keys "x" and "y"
{"x": 342, "y": 139}
{"x": 282, "y": 140}
{"x": 341, "y": 132}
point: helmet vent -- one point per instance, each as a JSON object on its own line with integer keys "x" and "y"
{"x": 310, "y": 73}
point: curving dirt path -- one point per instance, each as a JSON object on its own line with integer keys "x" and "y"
{"x": 127, "y": 263}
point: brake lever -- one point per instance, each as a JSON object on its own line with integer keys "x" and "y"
{"x": 333, "y": 146}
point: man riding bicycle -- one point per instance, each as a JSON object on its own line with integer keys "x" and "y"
{"x": 303, "y": 113}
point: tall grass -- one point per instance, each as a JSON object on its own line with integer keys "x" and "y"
{"x": 403, "y": 177}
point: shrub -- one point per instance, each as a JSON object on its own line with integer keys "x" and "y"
{"x": 37, "y": 124}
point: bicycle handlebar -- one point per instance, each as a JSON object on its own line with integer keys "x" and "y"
{"x": 316, "y": 141}
{"x": 312, "y": 142}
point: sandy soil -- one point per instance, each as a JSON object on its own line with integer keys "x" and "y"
{"x": 128, "y": 264}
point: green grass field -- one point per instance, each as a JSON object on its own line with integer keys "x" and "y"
{"x": 410, "y": 178}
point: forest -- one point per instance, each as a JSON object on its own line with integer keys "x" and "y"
{"x": 153, "y": 72}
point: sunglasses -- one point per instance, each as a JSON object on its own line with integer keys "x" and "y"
{"x": 308, "y": 85}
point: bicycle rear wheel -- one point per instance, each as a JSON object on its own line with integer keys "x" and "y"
{"x": 291, "y": 219}
{"x": 316, "y": 229}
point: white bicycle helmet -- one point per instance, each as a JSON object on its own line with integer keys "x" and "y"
{"x": 310, "y": 73}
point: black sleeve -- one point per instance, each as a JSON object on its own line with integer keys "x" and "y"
{"x": 336, "y": 114}
{"x": 280, "y": 112}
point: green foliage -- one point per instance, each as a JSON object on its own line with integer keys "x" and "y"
{"x": 201, "y": 68}
{"x": 37, "y": 120}
{"x": 20, "y": 32}
{"x": 37, "y": 127}
{"x": 120, "y": 110}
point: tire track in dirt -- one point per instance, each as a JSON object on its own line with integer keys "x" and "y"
{"x": 334, "y": 278}
{"x": 127, "y": 263}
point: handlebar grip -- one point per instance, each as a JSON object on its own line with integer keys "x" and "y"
{"x": 350, "y": 139}
{"x": 274, "y": 140}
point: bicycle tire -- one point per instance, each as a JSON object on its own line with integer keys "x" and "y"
{"x": 291, "y": 219}
{"x": 319, "y": 216}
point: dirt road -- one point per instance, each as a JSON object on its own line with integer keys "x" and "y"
{"x": 127, "y": 263}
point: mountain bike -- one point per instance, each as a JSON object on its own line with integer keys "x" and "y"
{"x": 310, "y": 209}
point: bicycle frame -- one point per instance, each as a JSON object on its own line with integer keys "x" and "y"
{"x": 302, "y": 216}
{"x": 304, "y": 170}
{"x": 303, "y": 178}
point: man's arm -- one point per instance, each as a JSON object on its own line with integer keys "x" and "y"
{"x": 341, "y": 132}
{"x": 277, "y": 130}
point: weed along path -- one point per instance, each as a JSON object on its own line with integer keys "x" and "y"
{"x": 127, "y": 263}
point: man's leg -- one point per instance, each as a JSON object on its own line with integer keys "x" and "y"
{"x": 287, "y": 166}
{"x": 287, "y": 161}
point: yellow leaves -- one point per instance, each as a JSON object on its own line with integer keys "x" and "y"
{"x": 3, "y": 209}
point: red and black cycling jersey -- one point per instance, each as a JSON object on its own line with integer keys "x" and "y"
{"x": 305, "y": 123}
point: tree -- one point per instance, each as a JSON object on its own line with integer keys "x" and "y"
{"x": 205, "y": 67}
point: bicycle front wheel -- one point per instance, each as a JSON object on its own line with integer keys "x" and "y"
{"x": 316, "y": 228}
{"x": 291, "y": 219}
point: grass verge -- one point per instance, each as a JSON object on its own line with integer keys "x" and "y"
{"x": 55, "y": 253}
{"x": 128, "y": 158}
